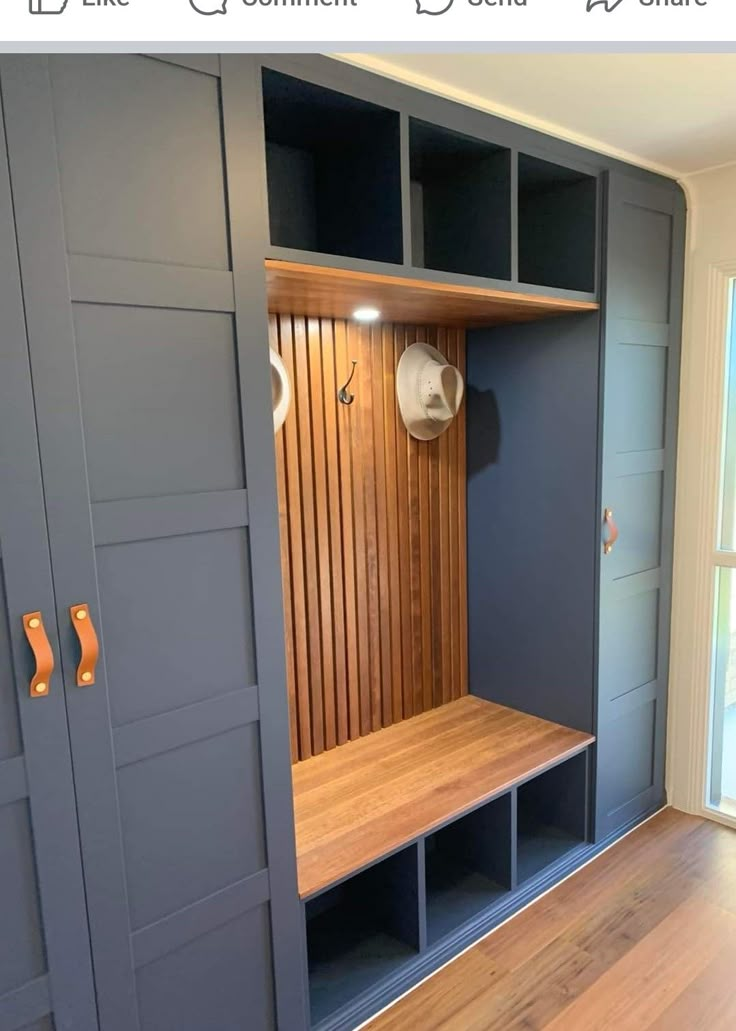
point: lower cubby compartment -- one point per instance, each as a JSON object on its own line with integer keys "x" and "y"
{"x": 468, "y": 867}
{"x": 551, "y": 816}
{"x": 361, "y": 931}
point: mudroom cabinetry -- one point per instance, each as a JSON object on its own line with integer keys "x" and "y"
{"x": 339, "y": 700}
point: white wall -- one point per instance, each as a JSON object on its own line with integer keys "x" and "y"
{"x": 711, "y": 262}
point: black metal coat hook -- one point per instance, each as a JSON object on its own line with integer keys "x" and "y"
{"x": 343, "y": 395}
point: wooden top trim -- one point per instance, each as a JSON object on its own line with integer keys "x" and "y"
{"x": 299, "y": 289}
{"x": 365, "y": 799}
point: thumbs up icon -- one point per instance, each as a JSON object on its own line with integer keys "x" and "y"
{"x": 47, "y": 6}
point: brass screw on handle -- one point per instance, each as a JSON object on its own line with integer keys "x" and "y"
{"x": 82, "y": 614}
{"x": 34, "y": 623}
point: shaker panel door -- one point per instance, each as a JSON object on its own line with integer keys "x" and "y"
{"x": 644, "y": 252}
{"x": 45, "y": 966}
{"x": 148, "y": 343}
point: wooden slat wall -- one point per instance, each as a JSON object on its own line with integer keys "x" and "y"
{"x": 373, "y": 537}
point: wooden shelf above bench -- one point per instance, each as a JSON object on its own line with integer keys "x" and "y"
{"x": 361, "y": 801}
{"x": 299, "y": 289}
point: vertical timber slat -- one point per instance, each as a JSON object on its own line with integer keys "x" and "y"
{"x": 373, "y": 536}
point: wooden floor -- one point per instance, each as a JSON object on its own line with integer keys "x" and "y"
{"x": 361, "y": 801}
{"x": 643, "y": 938}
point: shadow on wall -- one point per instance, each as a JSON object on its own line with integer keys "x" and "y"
{"x": 484, "y": 443}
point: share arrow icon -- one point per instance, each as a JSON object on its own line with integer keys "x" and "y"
{"x": 609, "y": 5}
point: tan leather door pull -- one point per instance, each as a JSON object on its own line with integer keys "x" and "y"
{"x": 88, "y": 643}
{"x": 610, "y": 524}
{"x": 42, "y": 653}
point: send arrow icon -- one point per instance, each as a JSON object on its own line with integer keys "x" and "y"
{"x": 610, "y": 5}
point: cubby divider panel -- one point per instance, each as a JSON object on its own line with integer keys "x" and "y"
{"x": 468, "y": 866}
{"x": 552, "y": 816}
{"x": 333, "y": 166}
{"x": 460, "y": 203}
{"x": 557, "y": 225}
{"x": 362, "y": 930}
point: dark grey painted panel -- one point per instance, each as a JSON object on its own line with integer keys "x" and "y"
{"x": 142, "y": 283}
{"x": 45, "y": 1024}
{"x": 180, "y": 610}
{"x": 21, "y": 943}
{"x": 637, "y": 506}
{"x": 10, "y": 743}
{"x": 629, "y": 744}
{"x": 159, "y": 401}
{"x": 222, "y": 982}
{"x": 532, "y": 527}
{"x": 29, "y": 1003}
{"x": 170, "y": 933}
{"x": 139, "y": 519}
{"x": 640, "y": 287}
{"x": 13, "y": 780}
{"x": 192, "y": 822}
{"x": 638, "y": 423}
{"x": 125, "y": 194}
{"x": 149, "y": 737}
{"x": 628, "y": 650}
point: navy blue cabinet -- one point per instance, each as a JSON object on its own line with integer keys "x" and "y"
{"x": 156, "y": 445}
{"x": 45, "y": 966}
{"x": 147, "y": 857}
{"x": 644, "y": 241}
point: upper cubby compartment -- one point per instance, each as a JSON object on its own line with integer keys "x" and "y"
{"x": 557, "y": 225}
{"x": 333, "y": 164}
{"x": 460, "y": 203}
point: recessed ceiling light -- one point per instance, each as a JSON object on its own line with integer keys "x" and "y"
{"x": 366, "y": 314}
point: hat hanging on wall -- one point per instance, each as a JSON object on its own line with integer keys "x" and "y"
{"x": 429, "y": 389}
{"x": 280, "y": 391}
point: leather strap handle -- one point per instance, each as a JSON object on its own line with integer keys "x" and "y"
{"x": 88, "y": 643}
{"x": 41, "y": 647}
{"x": 610, "y": 524}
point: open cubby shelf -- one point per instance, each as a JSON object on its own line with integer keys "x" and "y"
{"x": 557, "y": 225}
{"x": 361, "y": 931}
{"x": 551, "y": 817}
{"x": 468, "y": 866}
{"x": 460, "y": 202}
{"x": 464, "y": 860}
{"x": 333, "y": 167}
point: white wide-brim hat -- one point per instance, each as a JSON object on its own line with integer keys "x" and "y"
{"x": 280, "y": 391}
{"x": 429, "y": 390}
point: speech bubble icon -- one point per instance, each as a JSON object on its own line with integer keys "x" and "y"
{"x": 609, "y": 5}
{"x": 434, "y": 7}
{"x": 208, "y": 7}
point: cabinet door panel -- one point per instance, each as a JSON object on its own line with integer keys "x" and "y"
{"x": 644, "y": 252}
{"x": 45, "y": 967}
{"x": 155, "y": 432}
